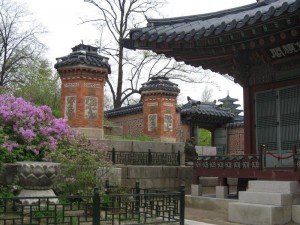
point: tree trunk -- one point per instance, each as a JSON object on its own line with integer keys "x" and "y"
{"x": 118, "y": 102}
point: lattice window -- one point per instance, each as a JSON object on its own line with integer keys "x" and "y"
{"x": 278, "y": 121}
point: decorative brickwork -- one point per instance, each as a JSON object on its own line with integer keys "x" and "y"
{"x": 83, "y": 74}
{"x": 159, "y": 108}
{"x": 236, "y": 141}
{"x": 182, "y": 130}
{"x": 82, "y": 96}
{"x": 132, "y": 124}
{"x": 159, "y": 116}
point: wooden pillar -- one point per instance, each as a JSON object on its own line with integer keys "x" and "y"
{"x": 248, "y": 133}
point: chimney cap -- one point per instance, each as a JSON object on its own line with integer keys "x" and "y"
{"x": 85, "y": 48}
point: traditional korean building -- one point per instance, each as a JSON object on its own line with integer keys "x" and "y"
{"x": 258, "y": 45}
{"x": 157, "y": 115}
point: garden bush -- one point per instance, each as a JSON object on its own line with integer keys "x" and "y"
{"x": 32, "y": 133}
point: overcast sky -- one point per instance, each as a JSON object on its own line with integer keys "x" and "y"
{"x": 62, "y": 20}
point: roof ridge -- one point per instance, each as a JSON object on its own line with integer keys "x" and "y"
{"x": 204, "y": 16}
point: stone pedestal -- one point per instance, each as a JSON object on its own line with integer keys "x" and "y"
{"x": 222, "y": 191}
{"x": 37, "y": 179}
{"x": 196, "y": 190}
{"x": 266, "y": 202}
{"x": 32, "y": 196}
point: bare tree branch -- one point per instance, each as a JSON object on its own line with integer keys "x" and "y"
{"x": 18, "y": 41}
{"x": 117, "y": 17}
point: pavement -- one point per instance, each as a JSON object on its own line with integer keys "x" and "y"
{"x": 196, "y": 216}
{"x": 192, "y": 222}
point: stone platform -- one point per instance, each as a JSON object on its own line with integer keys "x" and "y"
{"x": 267, "y": 203}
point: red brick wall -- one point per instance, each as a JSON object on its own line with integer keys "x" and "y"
{"x": 182, "y": 130}
{"x": 160, "y": 116}
{"x": 236, "y": 144}
{"x": 83, "y": 89}
{"x": 132, "y": 124}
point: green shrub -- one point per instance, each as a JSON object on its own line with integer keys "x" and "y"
{"x": 79, "y": 164}
{"x": 138, "y": 138}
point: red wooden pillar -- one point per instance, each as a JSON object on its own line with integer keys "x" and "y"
{"x": 248, "y": 120}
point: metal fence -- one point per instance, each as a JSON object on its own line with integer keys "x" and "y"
{"x": 144, "y": 158}
{"x": 141, "y": 206}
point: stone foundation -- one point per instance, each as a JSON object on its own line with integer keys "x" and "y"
{"x": 266, "y": 202}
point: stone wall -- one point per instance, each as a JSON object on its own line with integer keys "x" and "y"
{"x": 144, "y": 146}
{"x": 166, "y": 177}
{"x": 132, "y": 125}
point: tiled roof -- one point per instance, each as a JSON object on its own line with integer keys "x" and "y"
{"x": 83, "y": 55}
{"x": 206, "y": 112}
{"x": 159, "y": 83}
{"x": 127, "y": 110}
{"x": 205, "y": 25}
{"x": 228, "y": 98}
{"x": 235, "y": 124}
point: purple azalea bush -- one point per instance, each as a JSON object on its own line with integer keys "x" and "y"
{"x": 30, "y": 133}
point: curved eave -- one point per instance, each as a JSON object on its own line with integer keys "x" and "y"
{"x": 83, "y": 59}
{"x": 213, "y": 116}
{"x": 123, "y": 111}
{"x": 205, "y": 119}
{"x": 217, "y": 24}
{"x": 212, "y": 41}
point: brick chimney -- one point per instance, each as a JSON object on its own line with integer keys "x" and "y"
{"x": 83, "y": 74}
{"x": 159, "y": 96}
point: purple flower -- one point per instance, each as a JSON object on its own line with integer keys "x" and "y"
{"x": 31, "y": 128}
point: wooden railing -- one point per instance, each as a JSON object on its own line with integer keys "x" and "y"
{"x": 253, "y": 161}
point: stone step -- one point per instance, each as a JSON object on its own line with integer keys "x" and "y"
{"x": 296, "y": 213}
{"x": 286, "y": 187}
{"x": 264, "y": 198}
{"x": 255, "y": 214}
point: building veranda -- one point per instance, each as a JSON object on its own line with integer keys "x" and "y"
{"x": 258, "y": 45}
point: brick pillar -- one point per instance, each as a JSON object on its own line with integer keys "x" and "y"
{"x": 83, "y": 75}
{"x": 159, "y": 97}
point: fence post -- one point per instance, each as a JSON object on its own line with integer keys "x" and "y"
{"x": 96, "y": 207}
{"x": 182, "y": 204}
{"x": 113, "y": 156}
{"x": 149, "y": 157}
{"x": 137, "y": 197}
{"x": 136, "y": 206}
{"x": 178, "y": 158}
{"x": 106, "y": 187}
